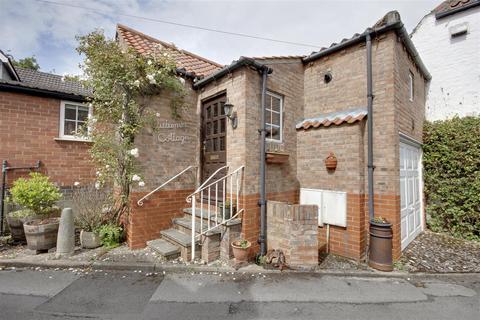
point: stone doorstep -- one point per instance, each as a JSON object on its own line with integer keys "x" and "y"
{"x": 176, "y": 236}
{"x": 188, "y": 211}
{"x": 186, "y": 223}
{"x": 165, "y": 248}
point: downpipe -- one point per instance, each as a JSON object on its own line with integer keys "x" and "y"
{"x": 371, "y": 167}
{"x": 262, "y": 240}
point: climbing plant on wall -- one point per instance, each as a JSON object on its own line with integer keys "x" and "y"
{"x": 122, "y": 81}
{"x": 452, "y": 176}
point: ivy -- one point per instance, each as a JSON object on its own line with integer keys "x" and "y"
{"x": 452, "y": 176}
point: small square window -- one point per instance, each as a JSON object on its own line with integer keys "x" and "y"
{"x": 73, "y": 116}
{"x": 411, "y": 90}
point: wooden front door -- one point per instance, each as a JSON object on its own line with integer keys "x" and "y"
{"x": 214, "y": 138}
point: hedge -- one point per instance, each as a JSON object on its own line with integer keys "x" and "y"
{"x": 451, "y": 161}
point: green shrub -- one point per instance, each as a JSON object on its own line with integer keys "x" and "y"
{"x": 23, "y": 213}
{"x": 111, "y": 235}
{"x": 452, "y": 176}
{"x": 37, "y": 193}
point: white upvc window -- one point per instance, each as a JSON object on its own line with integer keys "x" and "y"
{"x": 73, "y": 116}
{"x": 411, "y": 82}
{"x": 274, "y": 117}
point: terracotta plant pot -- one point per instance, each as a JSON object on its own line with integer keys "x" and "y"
{"x": 331, "y": 161}
{"x": 89, "y": 240}
{"x": 41, "y": 234}
{"x": 240, "y": 253}
{"x": 380, "y": 255}
{"x": 16, "y": 227}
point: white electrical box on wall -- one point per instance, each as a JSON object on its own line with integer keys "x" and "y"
{"x": 332, "y": 205}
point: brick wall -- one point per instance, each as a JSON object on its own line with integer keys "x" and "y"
{"x": 29, "y": 127}
{"x": 145, "y": 222}
{"x": 348, "y": 90}
{"x": 453, "y": 62}
{"x": 293, "y": 229}
{"x": 163, "y": 154}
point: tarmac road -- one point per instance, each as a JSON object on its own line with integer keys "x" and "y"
{"x": 48, "y": 294}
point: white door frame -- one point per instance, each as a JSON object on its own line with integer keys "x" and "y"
{"x": 416, "y": 144}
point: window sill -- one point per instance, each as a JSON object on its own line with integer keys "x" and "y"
{"x": 73, "y": 140}
{"x": 276, "y": 157}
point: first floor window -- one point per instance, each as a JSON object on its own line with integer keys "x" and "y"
{"x": 274, "y": 117}
{"x": 410, "y": 85}
{"x": 73, "y": 119}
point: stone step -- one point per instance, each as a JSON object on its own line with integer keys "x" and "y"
{"x": 165, "y": 248}
{"x": 177, "y": 237}
{"x": 188, "y": 211}
{"x": 186, "y": 222}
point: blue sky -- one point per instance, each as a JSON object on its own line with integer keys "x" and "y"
{"x": 32, "y": 27}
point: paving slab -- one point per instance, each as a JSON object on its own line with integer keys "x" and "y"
{"x": 34, "y": 283}
{"x": 438, "y": 289}
{"x": 104, "y": 293}
{"x": 213, "y": 288}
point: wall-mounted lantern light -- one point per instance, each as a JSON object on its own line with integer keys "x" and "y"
{"x": 228, "y": 109}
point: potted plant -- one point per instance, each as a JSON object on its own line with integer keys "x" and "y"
{"x": 228, "y": 206}
{"x": 39, "y": 195}
{"x": 241, "y": 248}
{"x": 15, "y": 221}
{"x": 380, "y": 253}
{"x": 92, "y": 207}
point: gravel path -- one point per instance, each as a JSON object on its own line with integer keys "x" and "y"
{"x": 434, "y": 252}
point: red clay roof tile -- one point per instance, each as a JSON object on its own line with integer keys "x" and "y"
{"x": 145, "y": 44}
{"x": 335, "y": 118}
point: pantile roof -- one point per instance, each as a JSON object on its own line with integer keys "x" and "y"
{"x": 451, "y": 6}
{"x": 335, "y": 118}
{"x": 145, "y": 44}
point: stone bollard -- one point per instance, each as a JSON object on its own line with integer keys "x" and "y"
{"x": 66, "y": 234}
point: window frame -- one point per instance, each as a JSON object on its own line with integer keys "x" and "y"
{"x": 280, "y": 97}
{"x": 61, "y": 132}
{"x": 411, "y": 85}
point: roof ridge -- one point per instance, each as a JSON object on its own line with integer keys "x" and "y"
{"x": 169, "y": 45}
{"x": 37, "y": 71}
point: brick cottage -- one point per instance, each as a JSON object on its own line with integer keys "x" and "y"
{"x": 210, "y": 159}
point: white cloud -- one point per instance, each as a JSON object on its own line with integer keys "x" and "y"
{"x": 48, "y": 31}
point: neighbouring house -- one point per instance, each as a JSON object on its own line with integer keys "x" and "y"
{"x": 314, "y": 105}
{"x": 448, "y": 40}
{"x": 39, "y": 116}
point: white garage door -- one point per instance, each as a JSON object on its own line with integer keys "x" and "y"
{"x": 410, "y": 192}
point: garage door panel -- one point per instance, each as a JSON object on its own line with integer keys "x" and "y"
{"x": 410, "y": 193}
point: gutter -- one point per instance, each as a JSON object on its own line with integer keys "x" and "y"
{"x": 243, "y": 61}
{"x": 41, "y": 92}
{"x": 394, "y": 23}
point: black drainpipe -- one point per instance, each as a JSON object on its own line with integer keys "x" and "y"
{"x": 5, "y": 169}
{"x": 263, "y": 202}
{"x": 370, "y": 165}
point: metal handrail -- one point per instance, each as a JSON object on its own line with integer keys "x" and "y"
{"x": 222, "y": 178}
{"x": 140, "y": 202}
{"x": 189, "y": 197}
{"x": 234, "y": 194}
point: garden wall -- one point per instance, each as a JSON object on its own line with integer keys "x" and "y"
{"x": 293, "y": 229}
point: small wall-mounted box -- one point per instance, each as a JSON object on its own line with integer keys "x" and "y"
{"x": 332, "y": 205}
{"x": 458, "y": 29}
